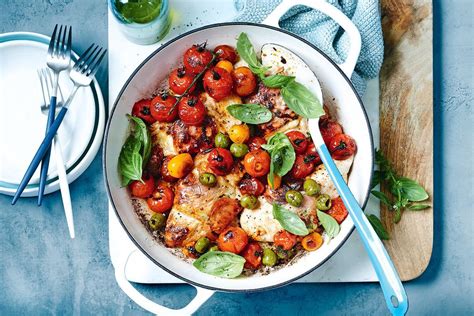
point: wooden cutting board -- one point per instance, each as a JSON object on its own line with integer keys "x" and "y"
{"x": 406, "y": 124}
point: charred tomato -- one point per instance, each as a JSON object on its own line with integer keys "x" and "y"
{"x": 298, "y": 140}
{"x": 191, "y": 110}
{"x": 218, "y": 83}
{"x": 302, "y": 167}
{"x": 142, "y": 110}
{"x": 226, "y": 52}
{"x": 196, "y": 58}
{"x": 180, "y": 80}
{"x": 342, "y": 146}
{"x": 161, "y": 199}
{"x": 220, "y": 161}
{"x": 163, "y": 108}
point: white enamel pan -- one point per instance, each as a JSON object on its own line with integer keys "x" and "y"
{"x": 338, "y": 93}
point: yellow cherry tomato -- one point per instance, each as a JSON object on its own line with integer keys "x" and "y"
{"x": 276, "y": 181}
{"x": 226, "y": 65}
{"x": 239, "y": 133}
{"x": 312, "y": 242}
{"x": 180, "y": 165}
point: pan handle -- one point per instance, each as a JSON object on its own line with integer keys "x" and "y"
{"x": 349, "y": 64}
{"x": 202, "y": 295}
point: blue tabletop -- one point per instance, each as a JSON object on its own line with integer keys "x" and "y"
{"x": 42, "y": 271}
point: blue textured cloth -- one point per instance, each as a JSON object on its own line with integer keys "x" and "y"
{"x": 326, "y": 34}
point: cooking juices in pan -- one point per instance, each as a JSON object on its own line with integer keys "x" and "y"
{"x": 220, "y": 165}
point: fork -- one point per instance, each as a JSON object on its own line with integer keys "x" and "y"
{"x": 81, "y": 74}
{"x": 58, "y": 59}
{"x": 46, "y": 82}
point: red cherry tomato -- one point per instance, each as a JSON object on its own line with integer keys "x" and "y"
{"x": 179, "y": 80}
{"x": 142, "y": 110}
{"x": 232, "y": 239}
{"x": 257, "y": 163}
{"x": 342, "y": 146}
{"x": 163, "y": 109}
{"x": 253, "y": 254}
{"x": 165, "y": 174}
{"x": 338, "y": 210}
{"x": 218, "y": 83}
{"x": 161, "y": 200}
{"x": 226, "y": 52}
{"x": 251, "y": 186}
{"x": 196, "y": 58}
{"x": 311, "y": 154}
{"x": 284, "y": 239}
{"x": 302, "y": 167}
{"x": 256, "y": 142}
{"x": 191, "y": 110}
{"x": 329, "y": 129}
{"x": 220, "y": 161}
{"x": 142, "y": 189}
{"x": 298, "y": 140}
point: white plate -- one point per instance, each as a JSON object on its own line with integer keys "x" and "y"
{"x": 22, "y": 125}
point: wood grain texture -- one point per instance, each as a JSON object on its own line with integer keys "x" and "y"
{"x": 406, "y": 124}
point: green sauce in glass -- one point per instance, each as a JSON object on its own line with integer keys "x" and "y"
{"x": 139, "y": 11}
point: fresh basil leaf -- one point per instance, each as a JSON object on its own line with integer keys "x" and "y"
{"x": 398, "y": 215}
{"x": 412, "y": 190}
{"x": 378, "y": 227}
{"x": 250, "y": 113}
{"x": 277, "y": 81}
{"x": 418, "y": 207}
{"x": 301, "y": 100}
{"x": 221, "y": 264}
{"x": 376, "y": 179}
{"x": 330, "y": 225}
{"x": 130, "y": 161}
{"x": 289, "y": 221}
{"x": 247, "y": 53}
{"x": 382, "y": 197}
{"x": 282, "y": 155}
{"x": 141, "y": 130}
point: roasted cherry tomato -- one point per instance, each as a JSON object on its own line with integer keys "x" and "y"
{"x": 329, "y": 129}
{"x": 161, "y": 200}
{"x": 284, "y": 239}
{"x": 196, "y": 58}
{"x": 226, "y": 52}
{"x": 226, "y": 65}
{"x": 142, "y": 189}
{"x": 251, "y": 186}
{"x": 180, "y": 79}
{"x": 165, "y": 174}
{"x": 312, "y": 154}
{"x": 142, "y": 110}
{"x": 180, "y": 165}
{"x": 218, "y": 83}
{"x": 191, "y": 110}
{"x": 302, "y": 167}
{"x": 220, "y": 161}
{"x": 257, "y": 163}
{"x": 276, "y": 181}
{"x": 342, "y": 146}
{"x": 256, "y": 142}
{"x": 312, "y": 242}
{"x": 163, "y": 108}
{"x": 298, "y": 140}
{"x": 232, "y": 239}
{"x": 244, "y": 81}
{"x": 223, "y": 212}
{"x": 253, "y": 254}
{"x": 338, "y": 210}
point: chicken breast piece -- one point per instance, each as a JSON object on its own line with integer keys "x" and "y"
{"x": 161, "y": 136}
{"x": 321, "y": 176}
{"x": 218, "y": 110}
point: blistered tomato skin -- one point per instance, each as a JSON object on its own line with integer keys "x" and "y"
{"x": 342, "y": 146}
{"x": 253, "y": 254}
{"x": 161, "y": 200}
{"x": 180, "y": 165}
{"x": 257, "y": 163}
{"x": 220, "y": 161}
{"x": 218, "y": 83}
{"x": 226, "y": 52}
{"x": 302, "y": 167}
{"x": 163, "y": 108}
{"x": 142, "y": 110}
{"x": 142, "y": 189}
{"x": 191, "y": 110}
{"x": 251, "y": 186}
{"x": 180, "y": 79}
{"x": 196, "y": 58}
{"x": 298, "y": 140}
{"x": 329, "y": 129}
{"x": 245, "y": 81}
{"x": 284, "y": 239}
{"x": 338, "y": 210}
{"x": 312, "y": 154}
{"x": 256, "y": 142}
{"x": 232, "y": 239}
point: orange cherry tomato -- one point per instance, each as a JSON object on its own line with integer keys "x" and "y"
{"x": 163, "y": 108}
{"x": 142, "y": 110}
{"x": 256, "y": 142}
{"x": 342, "y": 146}
{"x": 276, "y": 181}
{"x": 298, "y": 140}
{"x": 232, "y": 239}
{"x": 196, "y": 58}
{"x": 223, "y": 212}
{"x": 338, "y": 210}
{"x": 226, "y": 52}
{"x": 329, "y": 129}
{"x": 253, "y": 254}
{"x": 191, "y": 111}
{"x": 226, "y": 65}
{"x": 142, "y": 189}
{"x": 302, "y": 168}
{"x": 284, "y": 239}
{"x": 312, "y": 242}
{"x": 245, "y": 81}
{"x": 180, "y": 79}
{"x": 257, "y": 163}
{"x": 161, "y": 200}
{"x": 218, "y": 83}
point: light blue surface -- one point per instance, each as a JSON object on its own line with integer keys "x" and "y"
{"x": 42, "y": 271}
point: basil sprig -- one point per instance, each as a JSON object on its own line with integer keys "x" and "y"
{"x": 296, "y": 96}
{"x": 135, "y": 151}
{"x": 330, "y": 225}
{"x": 250, "y": 113}
{"x": 282, "y": 155}
{"x": 378, "y": 227}
{"x": 290, "y": 221}
{"x": 221, "y": 264}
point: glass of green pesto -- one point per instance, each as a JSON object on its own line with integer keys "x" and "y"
{"x": 142, "y": 21}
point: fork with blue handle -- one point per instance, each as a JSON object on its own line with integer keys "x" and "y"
{"x": 81, "y": 74}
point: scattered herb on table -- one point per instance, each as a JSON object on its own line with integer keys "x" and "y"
{"x": 250, "y": 113}
{"x": 221, "y": 264}
{"x": 378, "y": 227}
{"x": 290, "y": 221}
{"x": 282, "y": 155}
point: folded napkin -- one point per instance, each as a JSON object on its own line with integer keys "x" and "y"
{"x": 326, "y": 34}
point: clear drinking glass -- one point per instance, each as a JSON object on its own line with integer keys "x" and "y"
{"x": 142, "y": 21}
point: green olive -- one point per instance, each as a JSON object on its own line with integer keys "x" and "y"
{"x": 239, "y": 150}
{"x": 202, "y": 244}
{"x": 284, "y": 254}
{"x": 208, "y": 179}
{"x": 214, "y": 248}
{"x": 269, "y": 257}
{"x": 311, "y": 187}
{"x": 323, "y": 202}
{"x": 294, "y": 198}
{"x": 157, "y": 221}
{"x": 249, "y": 201}
{"x": 222, "y": 140}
